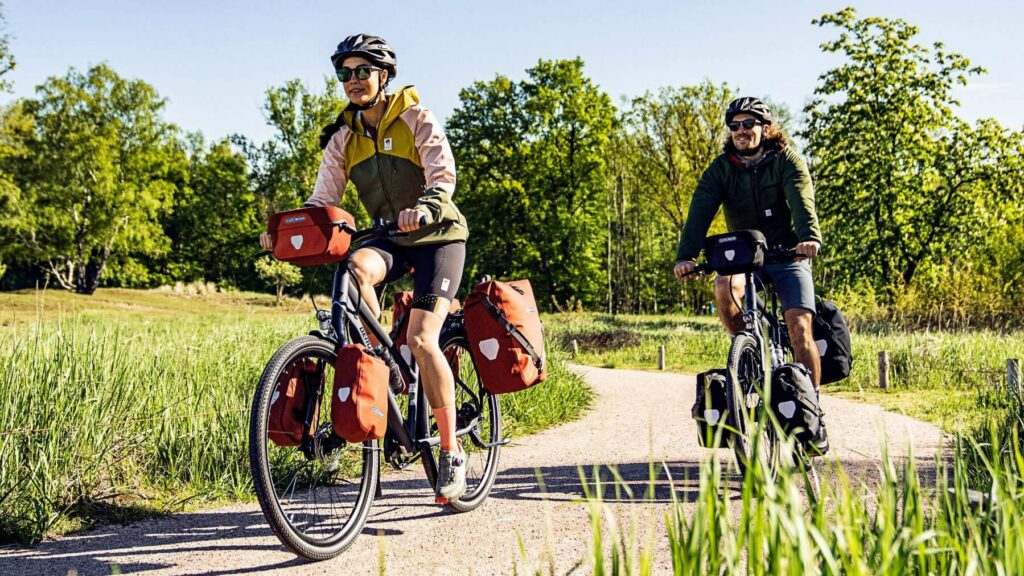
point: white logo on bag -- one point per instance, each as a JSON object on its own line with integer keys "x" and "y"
{"x": 730, "y": 254}
{"x": 712, "y": 416}
{"x": 344, "y": 393}
{"x": 489, "y": 348}
{"x": 277, "y": 394}
{"x": 297, "y": 241}
{"x": 822, "y": 347}
{"x": 787, "y": 408}
{"x": 377, "y": 411}
{"x": 406, "y": 354}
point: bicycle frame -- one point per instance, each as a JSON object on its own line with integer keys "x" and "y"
{"x": 411, "y": 434}
{"x": 756, "y": 315}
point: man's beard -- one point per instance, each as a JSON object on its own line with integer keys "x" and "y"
{"x": 750, "y": 151}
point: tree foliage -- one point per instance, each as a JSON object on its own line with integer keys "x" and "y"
{"x": 277, "y": 274}
{"x": 7, "y": 62}
{"x": 100, "y": 167}
{"x": 665, "y": 142}
{"x": 216, "y": 219}
{"x": 903, "y": 184}
{"x": 532, "y": 182}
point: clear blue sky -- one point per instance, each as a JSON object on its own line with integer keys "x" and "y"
{"x": 213, "y": 60}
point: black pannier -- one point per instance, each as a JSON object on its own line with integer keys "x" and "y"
{"x": 794, "y": 401}
{"x": 710, "y": 408}
{"x": 736, "y": 252}
{"x": 832, "y": 337}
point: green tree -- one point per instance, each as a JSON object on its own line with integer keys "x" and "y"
{"x": 532, "y": 161}
{"x": 101, "y": 166}
{"x": 216, "y": 219}
{"x": 902, "y": 182}
{"x": 278, "y": 274}
{"x": 666, "y": 141}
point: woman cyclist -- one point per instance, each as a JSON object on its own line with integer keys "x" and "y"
{"x": 397, "y": 155}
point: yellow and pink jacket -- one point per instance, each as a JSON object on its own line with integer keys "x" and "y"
{"x": 409, "y": 164}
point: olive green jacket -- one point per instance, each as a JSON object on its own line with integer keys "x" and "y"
{"x": 409, "y": 164}
{"x": 774, "y": 195}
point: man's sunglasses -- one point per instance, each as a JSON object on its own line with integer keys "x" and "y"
{"x": 749, "y": 123}
{"x": 362, "y": 72}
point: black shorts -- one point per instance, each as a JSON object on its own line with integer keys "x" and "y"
{"x": 436, "y": 268}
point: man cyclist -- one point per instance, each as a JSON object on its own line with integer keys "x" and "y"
{"x": 761, "y": 183}
{"x": 396, "y": 154}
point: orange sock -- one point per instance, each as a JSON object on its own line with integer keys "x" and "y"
{"x": 445, "y": 418}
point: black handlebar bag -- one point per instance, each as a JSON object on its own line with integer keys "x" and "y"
{"x": 737, "y": 252}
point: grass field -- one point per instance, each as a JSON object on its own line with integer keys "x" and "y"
{"x": 128, "y": 403}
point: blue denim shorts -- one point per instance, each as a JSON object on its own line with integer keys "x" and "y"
{"x": 793, "y": 283}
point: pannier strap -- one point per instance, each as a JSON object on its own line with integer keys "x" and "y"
{"x": 496, "y": 312}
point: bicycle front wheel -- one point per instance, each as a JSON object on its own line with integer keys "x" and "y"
{"x": 753, "y": 439}
{"x": 316, "y": 502}
{"x": 480, "y": 412}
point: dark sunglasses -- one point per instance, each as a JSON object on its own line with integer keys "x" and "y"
{"x": 749, "y": 123}
{"x": 362, "y": 72}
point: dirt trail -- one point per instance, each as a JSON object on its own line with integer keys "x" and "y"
{"x": 638, "y": 417}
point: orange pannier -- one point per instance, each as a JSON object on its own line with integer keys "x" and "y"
{"x": 505, "y": 335}
{"x": 359, "y": 404}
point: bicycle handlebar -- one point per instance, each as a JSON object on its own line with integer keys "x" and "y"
{"x": 772, "y": 256}
{"x": 380, "y": 229}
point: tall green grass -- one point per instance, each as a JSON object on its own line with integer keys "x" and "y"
{"x": 908, "y": 522}
{"x": 129, "y": 415}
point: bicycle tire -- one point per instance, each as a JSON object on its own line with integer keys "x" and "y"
{"x": 264, "y": 457}
{"x": 745, "y": 376}
{"x": 482, "y": 463}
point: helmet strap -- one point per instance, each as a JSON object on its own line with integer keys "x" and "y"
{"x": 373, "y": 101}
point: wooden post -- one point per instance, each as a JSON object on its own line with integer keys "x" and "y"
{"x": 574, "y": 347}
{"x": 1013, "y": 378}
{"x": 883, "y": 370}
{"x": 661, "y": 357}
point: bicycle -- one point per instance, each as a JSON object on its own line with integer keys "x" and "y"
{"x": 317, "y": 496}
{"x": 754, "y": 432}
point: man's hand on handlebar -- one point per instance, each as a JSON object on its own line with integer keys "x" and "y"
{"x": 807, "y": 250}
{"x": 265, "y": 242}
{"x": 410, "y": 219}
{"x": 683, "y": 269}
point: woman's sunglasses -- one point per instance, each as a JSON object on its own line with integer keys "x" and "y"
{"x": 749, "y": 123}
{"x": 362, "y": 72}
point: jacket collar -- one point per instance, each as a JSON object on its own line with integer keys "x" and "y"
{"x": 398, "y": 102}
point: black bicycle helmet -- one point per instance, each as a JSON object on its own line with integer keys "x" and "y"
{"x": 373, "y": 48}
{"x": 749, "y": 105}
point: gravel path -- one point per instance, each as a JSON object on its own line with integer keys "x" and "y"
{"x": 638, "y": 416}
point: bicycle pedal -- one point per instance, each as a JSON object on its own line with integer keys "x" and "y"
{"x": 440, "y": 500}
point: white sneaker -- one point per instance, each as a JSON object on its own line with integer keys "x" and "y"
{"x": 451, "y": 475}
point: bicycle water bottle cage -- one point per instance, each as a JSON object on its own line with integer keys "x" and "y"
{"x": 737, "y": 252}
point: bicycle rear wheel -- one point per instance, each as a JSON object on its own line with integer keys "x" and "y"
{"x": 475, "y": 408}
{"x": 316, "y": 504}
{"x": 753, "y": 439}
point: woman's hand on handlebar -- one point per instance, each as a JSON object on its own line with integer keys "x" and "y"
{"x": 265, "y": 242}
{"x": 409, "y": 219}
{"x": 807, "y": 250}
{"x": 684, "y": 270}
